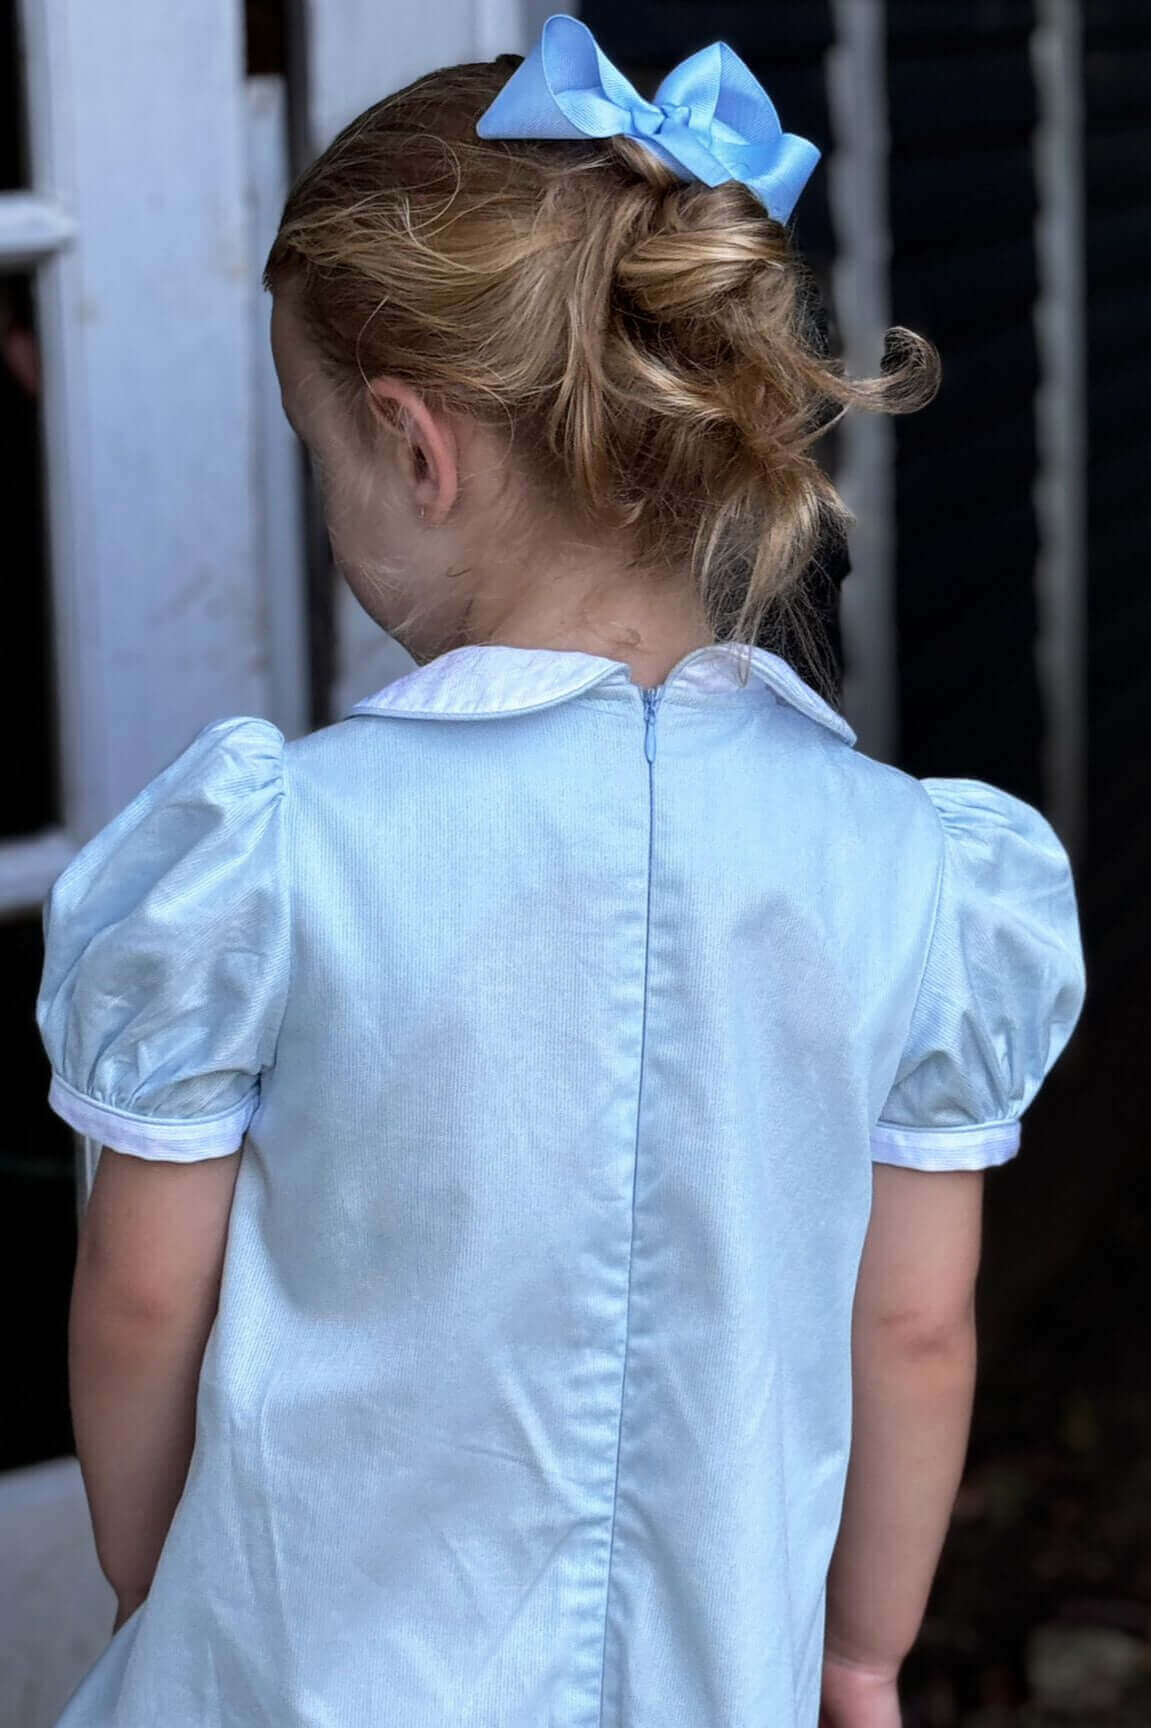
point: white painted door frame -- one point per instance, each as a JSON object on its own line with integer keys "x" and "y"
{"x": 137, "y": 136}
{"x": 158, "y": 172}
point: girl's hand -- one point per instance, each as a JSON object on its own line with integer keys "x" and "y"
{"x": 855, "y": 1696}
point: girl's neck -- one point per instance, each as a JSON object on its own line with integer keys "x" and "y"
{"x": 649, "y": 626}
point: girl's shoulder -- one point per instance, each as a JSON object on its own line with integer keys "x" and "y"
{"x": 964, "y": 824}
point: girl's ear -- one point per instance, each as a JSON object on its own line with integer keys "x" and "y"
{"x": 429, "y": 449}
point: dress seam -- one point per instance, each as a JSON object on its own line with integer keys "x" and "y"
{"x": 925, "y": 963}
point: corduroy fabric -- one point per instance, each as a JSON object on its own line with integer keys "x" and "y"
{"x": 564, "y": 1038}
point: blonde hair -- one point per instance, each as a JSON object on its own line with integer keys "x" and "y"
{"x": 650, "y": 344}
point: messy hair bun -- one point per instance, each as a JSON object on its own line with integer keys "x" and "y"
{"x": 649, "y": 342}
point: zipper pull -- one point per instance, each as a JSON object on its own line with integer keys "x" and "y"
{"x": 650, "y": 704}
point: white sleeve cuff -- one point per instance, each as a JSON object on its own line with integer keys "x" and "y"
{"x": 974, "y": 1148}
{"x": 179, "y": 1142}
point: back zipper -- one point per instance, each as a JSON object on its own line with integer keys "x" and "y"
{"x": 651, "y": 700}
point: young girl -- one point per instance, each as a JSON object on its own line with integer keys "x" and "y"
{"x": 528, "y": 1280}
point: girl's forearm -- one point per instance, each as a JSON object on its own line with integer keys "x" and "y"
{"x": 911, "y": 1422}
{"x": 133, "y": 1379}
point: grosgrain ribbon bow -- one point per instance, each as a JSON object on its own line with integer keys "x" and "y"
{"x": 711, "y": 119}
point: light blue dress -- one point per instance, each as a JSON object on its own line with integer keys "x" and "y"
{"x": 561, "y": 1024}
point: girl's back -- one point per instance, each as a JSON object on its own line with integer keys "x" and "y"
{"x": 565, "y": 1020}
{"x": 531, "y": 1375}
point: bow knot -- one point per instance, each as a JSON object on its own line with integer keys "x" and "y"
{"x": 675, "y": 114}
{"x": 710, "y": 119}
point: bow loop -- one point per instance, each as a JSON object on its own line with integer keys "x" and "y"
{"x": 710, "y": 120}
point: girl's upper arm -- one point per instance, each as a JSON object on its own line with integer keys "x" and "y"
{"x": 921, "y": 1255}
{"x": 154, "y": 1233}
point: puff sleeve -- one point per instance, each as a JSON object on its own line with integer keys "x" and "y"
{"x": 167, "y": 954}
{"x": 1001, "y": 989}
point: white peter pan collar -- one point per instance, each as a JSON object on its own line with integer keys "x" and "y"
{"x": 483, "y": 680}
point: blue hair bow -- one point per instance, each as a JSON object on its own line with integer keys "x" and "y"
{"x": 711, "y": 119}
